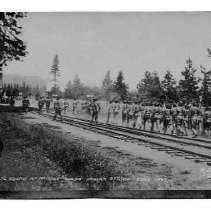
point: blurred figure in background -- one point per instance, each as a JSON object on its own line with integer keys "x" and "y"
{"x": 47, "y": 103}
{"x": 110, "y": 110}
{"x": 66, "y": 105}
{"x": 12, "y": 102}
{"x": 25, "y": 104}
{"x": 41, "y": 104}
{"x": 94, "y": 109}
{"x": 74, "y": 106}
{"x": 57, "y": 109}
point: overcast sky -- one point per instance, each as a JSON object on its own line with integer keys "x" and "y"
{"x": 89, "y": 44}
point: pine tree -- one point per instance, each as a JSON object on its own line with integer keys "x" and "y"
{"x": 15, "y": 91}
{"x": 150, "y": 87}
{"x": 55, "y": 68}
{"x": 168, "y": 85}
{"x": 11, "y": 46}
{"x": 189, "y": 85}
{"x": 8, "y": 90}
{"x": 69, "y": 90}
{"x": 107, "y": 85}
{"x": 120, "y": 87}
{"x": 206, "y": 87}
{"x": 78, "y": 89}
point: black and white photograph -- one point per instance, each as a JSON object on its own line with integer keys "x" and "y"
{"x": 105, "y": 105}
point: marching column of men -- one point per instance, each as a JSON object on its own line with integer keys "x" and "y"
{"x": 180, "y": 120}
{"x": 175, "y": 119}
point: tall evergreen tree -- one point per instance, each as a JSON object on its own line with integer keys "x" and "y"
{"x": 150, "y": 87}
{"x": 206, "y": 87}
{"x": 55, "y": 71}
{"x": 189, "y": 85}
{"x": 4, "y": 87}
{"x": 120, "y": 87}
{"x": 9, "y": 90}
{"x": 107, "y": 85}
{"x": 11, "y": 46}
{"x": 69, "y": 90}
{"x": 77, "y": 88}
{"x": 15, "y": 91}
{"x": 168, "y": 85}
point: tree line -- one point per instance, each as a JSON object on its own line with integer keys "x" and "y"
{"x": 189, "y": 89}
{"x": 23, "y": 89}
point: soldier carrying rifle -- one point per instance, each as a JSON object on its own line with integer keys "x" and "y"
{"x": 57, "y": 109}
{"x": 25, "y": 104}
{"x": 94, "y": 110}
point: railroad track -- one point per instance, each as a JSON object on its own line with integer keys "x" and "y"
{"x": 143, "y": 132}
{"x": 179, "y": 139}
{"x": 198, "y": 150}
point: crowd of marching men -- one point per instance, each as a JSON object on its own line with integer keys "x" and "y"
{"x": 181, "y": 120}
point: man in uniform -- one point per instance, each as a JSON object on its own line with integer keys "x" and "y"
{"x": 25, "y": 104}
{"x": 146, "y": 117}
{"x": 139, "y": 120}
{"x": 95, "y": 109}
{"x": 174, "y": 112}
{"x": 207, "y": 122}
{"x": 110, "y": 110}
{"x": 156, "y": 116}
{"x": 124, "y": 112}
{"x": 66, "y": 105}
{"x": 196, "y": 121}
{"x": 115, "y": 111}
{"x": 166, "y": 119}
{"x": 40, "y": 105}
{"x": 57, "y": 109}
{"x": 47, "y": 104}
{"x": 180, "y": 123}
{"x": 152, "y": 118}
{"x": 74, "y": 106}
{"x": 12, "y": 102}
